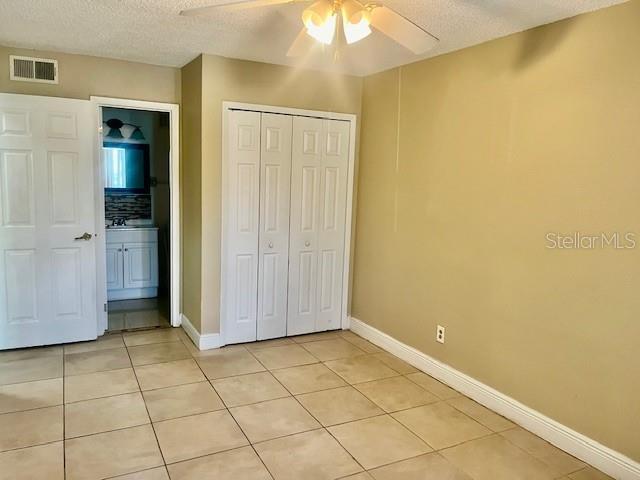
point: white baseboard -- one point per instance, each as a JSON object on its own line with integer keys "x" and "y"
{"x": 203, "y": 342}
{"x": 590, "y": 451}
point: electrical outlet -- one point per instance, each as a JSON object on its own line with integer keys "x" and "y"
{"x": 440, "y": 334}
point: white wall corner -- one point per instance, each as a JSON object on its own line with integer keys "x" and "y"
{"x": 590, "y": 451}
{"x": 203, "y": 342}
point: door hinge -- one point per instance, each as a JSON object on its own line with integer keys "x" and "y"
{"x": 105, "y": 307}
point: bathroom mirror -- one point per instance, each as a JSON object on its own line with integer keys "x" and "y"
{"x": 126, "y": 167}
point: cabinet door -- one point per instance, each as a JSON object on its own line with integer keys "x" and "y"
{"x": 273, "y": 252}
{"x": 140, "y": 265}
{"x": 114, "y": 266}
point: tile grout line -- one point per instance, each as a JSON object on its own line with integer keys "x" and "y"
{"x": 234, "y": 421}
{"x": 147, "y": 410}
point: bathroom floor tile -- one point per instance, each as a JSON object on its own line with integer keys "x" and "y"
{"x": 158, "y": 473}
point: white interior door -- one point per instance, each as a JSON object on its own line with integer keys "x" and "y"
{"x": 47, "y": 276}
{"x": 273, "y": 254}
{"x": 241, "y": 223}
{"x": 318, "y": 216}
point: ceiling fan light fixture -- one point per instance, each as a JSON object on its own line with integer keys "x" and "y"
{"x": 320, "y": 21}
{"x": 355, "y": 22}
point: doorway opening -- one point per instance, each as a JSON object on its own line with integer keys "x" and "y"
{"x": 138, "y": 215}
{"x": 136, "y": 170}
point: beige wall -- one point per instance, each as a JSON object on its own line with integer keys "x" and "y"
{"x": 81, "y": 76}
{"x": 250, "y": 82}
{"x": 191, "y": 191}
{"x": 500, "y": 144}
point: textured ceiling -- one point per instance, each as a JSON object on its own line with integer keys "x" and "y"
{"x": 151, "y": 31}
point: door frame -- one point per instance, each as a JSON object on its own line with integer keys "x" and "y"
{"x": 175, "y": 293}
{"x": 349, "y": 117}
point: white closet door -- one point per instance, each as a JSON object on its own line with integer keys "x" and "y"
{"x": 303, "y": 242}
{"x": 332, "y": 223}
{"x": 242, "y": 217}
{"x": 273, "y": 255}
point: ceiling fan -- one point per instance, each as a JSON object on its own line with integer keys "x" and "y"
{"x": 322, "y": 19}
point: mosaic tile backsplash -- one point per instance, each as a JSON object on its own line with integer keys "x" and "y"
{"x": 129, "y": 207}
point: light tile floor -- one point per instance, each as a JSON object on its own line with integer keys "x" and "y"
{"x": 149, "y": 406}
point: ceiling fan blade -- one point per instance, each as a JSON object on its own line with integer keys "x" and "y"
{"x": 301, "y": 45}
{"x": 402, "y": 30}
{"x": 242, "y": 5}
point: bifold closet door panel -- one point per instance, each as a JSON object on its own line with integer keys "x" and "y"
{"x": 332, "y": 223}
{"x": 303, "y": 241}
{"x": 242, "y": 226}
{"x": 273, "y": 255}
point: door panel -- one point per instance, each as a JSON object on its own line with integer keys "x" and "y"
{"x": 318, "y": 215}
{"x": 47, "y": 279}
{"x": 115, "y": 267}
{"x": 303, "y": 232}
{"x": 331, "y": 232}
{"x": 275, "y": 181}
{"x": 140, "y": 265}
{"x": 240, "y": 262}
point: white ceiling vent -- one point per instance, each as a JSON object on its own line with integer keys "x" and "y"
{"x": 30, "y": 69}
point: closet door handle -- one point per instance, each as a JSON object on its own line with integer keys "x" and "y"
{"x": 270, "y": 244}
{"x": 307, "y": 243}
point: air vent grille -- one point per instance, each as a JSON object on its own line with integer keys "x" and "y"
{"x": 29, "y": 69}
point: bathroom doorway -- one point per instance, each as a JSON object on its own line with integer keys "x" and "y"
{"x": 138, "y": 206}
